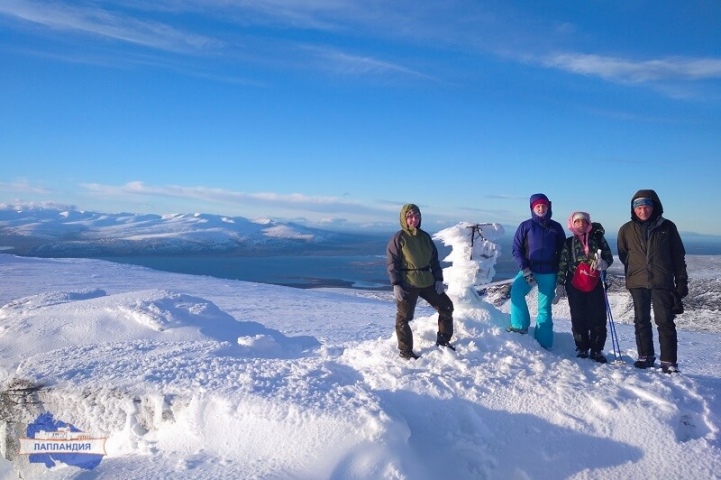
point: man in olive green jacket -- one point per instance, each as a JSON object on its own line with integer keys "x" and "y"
{"x": 415, "y": 271}
{"x": 654, "y": 260}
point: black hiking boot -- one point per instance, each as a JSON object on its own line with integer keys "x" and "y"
{"x": 445, "y": 344}
{"x": 582, "y": 353}
{"x": 669, "y": 367}
{"x": 522, "y": 331}
{"x": 443, "y": 340}
{"x": 598, "y": 357}
{"x": 408, "y": 355}
{"x": 644, "y": 362}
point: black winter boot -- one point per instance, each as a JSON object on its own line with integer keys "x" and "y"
{"x": 408, "y": 355}
{"x": 598, "y": 357}
{"x": 443, "y": 340}
{"x": 669, "y": 367}
{"x": 644, "y": 362}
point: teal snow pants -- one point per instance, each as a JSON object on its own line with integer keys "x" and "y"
{"x": 521, "y": 317}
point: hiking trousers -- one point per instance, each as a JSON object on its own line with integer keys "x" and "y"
{"x": 588, "y": 317}
{"x": 661, "y": 299}
{"x": 406, "y": 309}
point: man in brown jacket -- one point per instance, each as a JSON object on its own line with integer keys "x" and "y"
{"x": 654, "y": 260}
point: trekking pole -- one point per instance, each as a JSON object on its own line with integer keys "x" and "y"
{"x": 612, "y": 326}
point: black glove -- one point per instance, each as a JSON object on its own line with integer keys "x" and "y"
{"x": 682, "y": 289}
{"x": 677, "y": 308}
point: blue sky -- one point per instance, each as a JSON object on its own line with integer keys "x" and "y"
{"x": 336, "y": 113}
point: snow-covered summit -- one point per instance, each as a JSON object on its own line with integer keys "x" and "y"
{"x": 196, "y": 377}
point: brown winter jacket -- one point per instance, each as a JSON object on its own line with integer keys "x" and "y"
{"x": 653, "y": 255}
{"x": 411, "y": 256}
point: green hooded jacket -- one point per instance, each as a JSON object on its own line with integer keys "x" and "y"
{"x": 573, "y": 255}
{"x": 411, "y": 255}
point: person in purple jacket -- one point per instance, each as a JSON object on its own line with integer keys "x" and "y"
{"x": 537, "y": 247}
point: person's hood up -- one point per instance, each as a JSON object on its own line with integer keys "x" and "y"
{"x": 536, "y": 197}
{"x": 572, "y": 217}
{"x": 404, "y": 211}
{"x": 657, "y": 206}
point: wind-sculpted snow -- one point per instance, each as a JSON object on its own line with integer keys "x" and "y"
{"x": 48, "y": 299}
{"x": 89, "y": 318}
{"x": 195, "y": 377}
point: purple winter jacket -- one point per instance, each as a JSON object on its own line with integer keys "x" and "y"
{"x": 538, "y": 243}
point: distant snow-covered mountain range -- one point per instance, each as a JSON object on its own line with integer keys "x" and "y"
{"x": 48, "y": 231}
{"x": 53, "y": 230}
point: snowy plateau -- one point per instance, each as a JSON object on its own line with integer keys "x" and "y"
{"x": 195, "y": 377}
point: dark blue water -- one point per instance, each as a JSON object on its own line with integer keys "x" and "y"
{"x": 362, "y": 271}
{"x": 350, "y": 271}
{"x": 354, "y": 271}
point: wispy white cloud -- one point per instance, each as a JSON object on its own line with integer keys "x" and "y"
{"x": 681, "y": 78}
{"x": 105, "y": 23}
{"x": 342, "y": 36}
{"x": 644, "y": 71}
{"x": 361, "y": 65}
{"x": 23, "y": 186}
{"x": 130, "y": 25}
{"x": 325, "y": 15}
{"x": 293, "y": 201}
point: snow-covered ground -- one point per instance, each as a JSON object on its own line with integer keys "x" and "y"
{"x": 195, "y": 377}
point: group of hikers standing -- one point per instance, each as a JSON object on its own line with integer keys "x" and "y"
{"x": 649, "y": 247}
